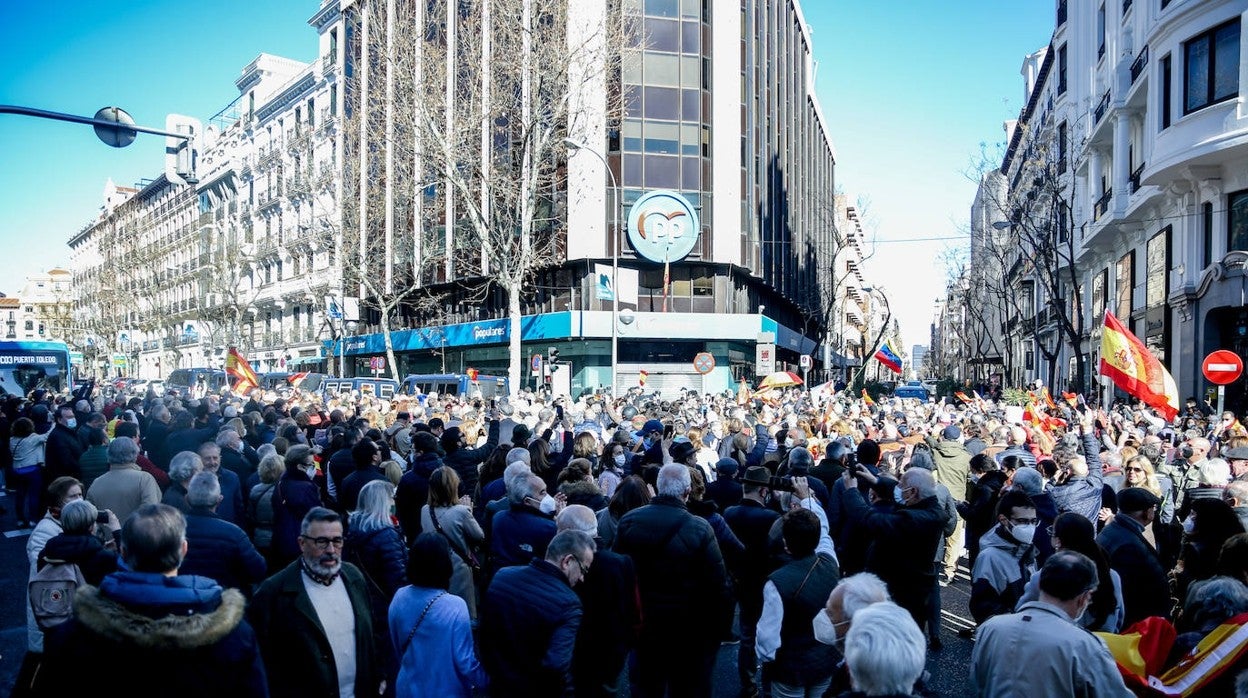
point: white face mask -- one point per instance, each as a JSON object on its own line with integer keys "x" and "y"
{"x": 898, "y": 496}
{"x": 1024, "y": 534}
{"x": 825, "y": 629}
{"x": 788, "y": 442}
{"x": 547, "y": 505}
{"x": 619, "y": 459}
{"x": 1189, "y": 525}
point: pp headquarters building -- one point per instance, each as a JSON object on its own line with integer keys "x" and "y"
{"x": 723, "y": 229}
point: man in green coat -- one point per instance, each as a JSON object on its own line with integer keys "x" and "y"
{"x": 953, "y": 469}
{"x": 314, "y": 621}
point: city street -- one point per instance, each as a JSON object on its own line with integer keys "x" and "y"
{"x": 947, "y": 668}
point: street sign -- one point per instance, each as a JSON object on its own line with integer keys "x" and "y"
{"x": 704, "y": 362}
{"x": 1222, "y": 367}
{"x": 377, "y": 363}
{"x": 535, "y": 365}
{"x": 764, "y": 359}
{"x": 804, "y": 362}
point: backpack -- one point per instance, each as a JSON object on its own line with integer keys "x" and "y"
{"x": 52, "y": 592}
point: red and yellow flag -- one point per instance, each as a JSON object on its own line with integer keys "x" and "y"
{"x": 961, "y": 396}
{"x": 1133, "y": 368}
{"x": 237, "y": 367}
{"x": 1048, "y": 399}
{"x": 641, "y": 378}
{"x": 867, "y": 398}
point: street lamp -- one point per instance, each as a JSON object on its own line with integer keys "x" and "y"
{"x": 615, "y": 261}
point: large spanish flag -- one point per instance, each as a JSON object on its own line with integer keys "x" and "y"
{"x": 237, "y": 367}
{"x": 1132, "y": 367}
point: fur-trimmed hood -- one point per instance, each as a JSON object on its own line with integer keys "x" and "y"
{"x": 585, "y": 488}
{"x": 121, "y": 624}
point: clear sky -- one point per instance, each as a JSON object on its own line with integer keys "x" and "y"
{"x": 910, "y": 89}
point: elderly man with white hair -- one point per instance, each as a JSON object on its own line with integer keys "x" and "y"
{"x": 181, "y": 469}
{"x": 125, "y": 487}
{"x": 685, "y": 598}
{"x": 884, "y": 651}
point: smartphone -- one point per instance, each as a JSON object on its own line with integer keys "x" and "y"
{"x": 667, "y": 431}
{"x": 101, "y": 517}
{"x": 493, "y": 403}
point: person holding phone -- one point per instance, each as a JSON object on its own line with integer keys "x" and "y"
{"x": 80, "y": 544}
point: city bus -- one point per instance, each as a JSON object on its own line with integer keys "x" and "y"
{"x": 29, "y": 366}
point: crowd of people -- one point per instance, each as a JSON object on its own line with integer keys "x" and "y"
{"x": 543, "y": 546}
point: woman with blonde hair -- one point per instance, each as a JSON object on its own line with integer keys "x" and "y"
{"x": 450, "y": 516}
{"x": 1138, "y": 472}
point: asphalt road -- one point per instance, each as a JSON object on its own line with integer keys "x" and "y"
{"x": 948, "y": 669}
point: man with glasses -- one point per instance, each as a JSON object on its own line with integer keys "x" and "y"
{"x": 314, "y": 620}
{"x": 1007, "y": 558}
{"x": 1040, "y": 651}
{"x": 530, "y": 619}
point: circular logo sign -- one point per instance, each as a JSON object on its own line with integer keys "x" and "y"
{"x": 663, "y": 226}
{"x": 704, "y": 362}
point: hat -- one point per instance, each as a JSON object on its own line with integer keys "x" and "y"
{"x": 1132, "y": 499}
{"x": 682, "y": 450}
{"x": 1030, "y": 481}
{"x": 883, "y": 488}
{"x": 922, "y": 459}
{"x": 951, "y": 433}
{"x": 727, "y": 466}
{"x": 757, "y": 475}
{"x": 520, "y": 434}
{"x": 652, "y": 426}
{"x": 1237, "y": 453}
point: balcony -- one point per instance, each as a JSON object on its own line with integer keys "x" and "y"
{"x": 1102, "y": 204}
{"x": 1135, "y": 178}
{"x": 1138, "y": 65}
{"x": 1101, "y": 108}
{"x": 302, "y": 334}
{"x": 272, "y": 339}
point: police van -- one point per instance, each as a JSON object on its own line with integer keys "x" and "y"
{"x": 453, "y": 384}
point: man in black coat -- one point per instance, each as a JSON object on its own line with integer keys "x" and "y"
{"x": 611, "y": 611}
{"x": 751, "y": 522}
{"x": 467, "y": 461}
{"x": 685, "y": 597}
{"x": 234, "y": 457}
{"x": 1145, "y": 589}
{"x": 367, "y": 456}
{"x": 904, "y": 541}
{"x": 63, "y": 448}
{"x": 183, "y": 437}
{"x": 216, "y": 548}
{"x": 726, "y": 490}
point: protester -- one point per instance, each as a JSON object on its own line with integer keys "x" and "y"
{"x": 752, "y": 522}
{"x": 374, "y": 545}
{"x": 1007, "y": 558}
{"x": 125, "y": 487}
{"x": 449, "y": 515}
{"x": 26, "y": 449}
{"x": 1073, "y": 532}
{"x": 260, "y": 510}
{"x": 216, "y": 548}
{"x": 1145, "y": 589}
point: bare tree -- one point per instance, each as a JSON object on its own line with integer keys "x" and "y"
{"x": 455, "y": 148}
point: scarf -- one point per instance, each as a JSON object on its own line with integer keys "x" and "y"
{"x": 319, "y": 578}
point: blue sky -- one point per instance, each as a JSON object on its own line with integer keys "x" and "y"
{"x": 909, "y": 90}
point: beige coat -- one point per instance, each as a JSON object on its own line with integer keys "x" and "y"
{"x": 123, "y": 489}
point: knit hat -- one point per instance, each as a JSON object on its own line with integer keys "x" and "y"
{"x": 1029, "y": 481}
{"x": 951, "y": 433}
{"x": 727, "y": 466}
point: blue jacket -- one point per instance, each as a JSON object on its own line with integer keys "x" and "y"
{"x": 529, "y": 624}
{"x": 231, "y": 508}
{"x": 519, "y": 534}
{"x": 148, "y": 634}
{"x": 221, "y": 551}
{"x": 1082, "y": 495}
{"x": 179, "y": 441}
{"x": 440, "y": 659}
{"x": 381, "y": 556}
{"x": 294, "y": 497}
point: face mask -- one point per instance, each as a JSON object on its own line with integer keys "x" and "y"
{"x": 1186, "y": 452}
{"x": 72, "y": 423}
{"x": 1023, "y": 534}
{"x": 619, "y": 459}
{"x": 898, "y": 497}
{"x": 825, "y": 629}
{"x": 1189, "y": 525}
{"x": 788, "y": 442}
{"x": 547, "y": 505}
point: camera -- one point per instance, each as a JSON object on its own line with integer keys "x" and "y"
{"x": 102, "y": 517}
{"x": 780, "y": 484}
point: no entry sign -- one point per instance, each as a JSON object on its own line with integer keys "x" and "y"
{"x": 1222, "y": 367}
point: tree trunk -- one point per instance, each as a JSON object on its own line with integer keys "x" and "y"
{"x": 514, "y": 348}
{"x": 385, "y": 334}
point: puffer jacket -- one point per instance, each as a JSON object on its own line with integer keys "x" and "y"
{"x": 294, "y": 497}
{"x": 1000, "y": 574}
{"x": 1082, "y": 495}
{"x": 527, "y": 647}
{"x": 85, "y": 550}
{"x": 221, "y": 551}
{"x": 413, "y": 493}
{"x": 467, "y": 461}
{"x": 953, "y": 466}
{"x": 260, "y": 514}
{"x": 380, "y": 555}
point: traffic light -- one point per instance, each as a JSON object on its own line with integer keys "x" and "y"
{"x": 552, "y": 358}
{"x": 182, "y": 154}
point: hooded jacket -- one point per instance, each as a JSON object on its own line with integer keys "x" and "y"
{"x": 148, "y": 634}
{"x": 1000, "y": 574}
{"x": 953, "y": 466}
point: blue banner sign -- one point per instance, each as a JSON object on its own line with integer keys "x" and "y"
{"x": 483, "y": 333}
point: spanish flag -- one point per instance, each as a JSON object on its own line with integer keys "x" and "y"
{"x": 1133, "y": 368}
{"x": 1048, "y": 399}
{"x": 961, "y": 396}
{"x": 866, "y": 397}
{"x": 641, "y": 378}
{"x": 236, "y": 366}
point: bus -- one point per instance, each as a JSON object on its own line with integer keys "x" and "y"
{"x": 490, "y": 387}
{"x": 29, "y": 366}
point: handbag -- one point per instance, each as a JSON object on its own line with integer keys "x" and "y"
{"x": 467, "y": 556}
{"x": 421, "y": 619}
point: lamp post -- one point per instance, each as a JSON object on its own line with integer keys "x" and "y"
{"x": 615, "y": 261}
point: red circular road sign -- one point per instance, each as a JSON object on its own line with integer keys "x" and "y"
{"x": 1222, "y": 367}
{"x": 704, "y": 362}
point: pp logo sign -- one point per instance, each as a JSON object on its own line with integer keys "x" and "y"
{"x": 663, "y": 226}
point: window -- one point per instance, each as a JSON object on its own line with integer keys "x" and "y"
{"x": 1237, "y": 221}
{"x": 333, "y": 44}
{"x": 1211, "y": 67}
{"x": 1100, "y": 283}
{"x": 1165, "y": 91}
{"x": 1100, "y": 32}
{"x": 1206, "y": 217}
{"x": 1061, "y": 69}
{"x": 1125, "y": 278}
{"x": 333, "y": 100}
{"x": 311, "y": 114}
{"x": 1061, "y": 147}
